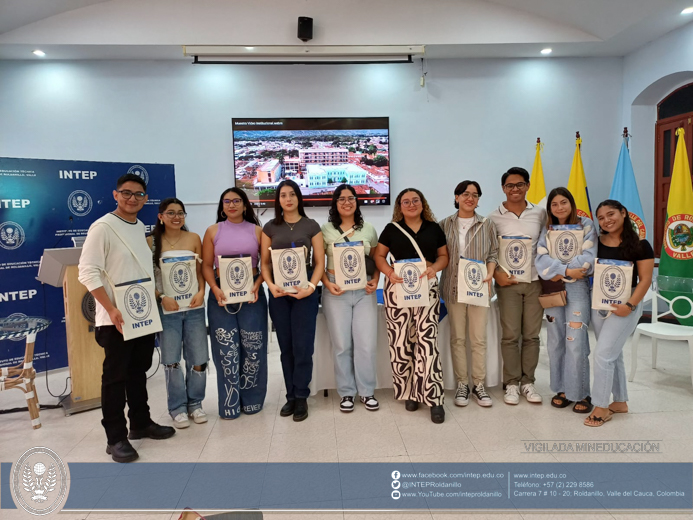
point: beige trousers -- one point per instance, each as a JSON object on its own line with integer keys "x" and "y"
{"x": 465, "y": 317}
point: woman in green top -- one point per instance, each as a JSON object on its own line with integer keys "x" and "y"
{"x": 352, "y": 317}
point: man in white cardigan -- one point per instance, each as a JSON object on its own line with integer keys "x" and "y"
{"x": 126, "y": 363}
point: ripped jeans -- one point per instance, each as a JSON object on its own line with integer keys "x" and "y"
{"x": 184, "y": 333}
{"x": 569, "y": 347}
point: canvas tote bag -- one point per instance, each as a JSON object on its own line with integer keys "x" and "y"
{"x": 236, "y": 279}
{"x": 349, "y": 264}
{"x": 136, "y": 301}
{"x": 289, "y": 268}
{"x": 179, "y": 278}
{"x": 564, "y": 242}
{"x": 612, "y": 283}
{"x": 515, "y": 255}
{"x": 413, "y": 292}
{"x": 471, "y": 288}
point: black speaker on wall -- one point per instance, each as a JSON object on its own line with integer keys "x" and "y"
{"x": 305, "y": 28}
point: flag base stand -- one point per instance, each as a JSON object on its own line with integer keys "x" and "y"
{"x": 71, "y": 407}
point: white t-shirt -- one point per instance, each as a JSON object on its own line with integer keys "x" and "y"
{"x": 463, "y": 225}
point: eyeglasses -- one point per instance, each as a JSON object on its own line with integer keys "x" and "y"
{"x": 235, "y": 202}
{"x": 412, "y": 202}
{"x": 127, "y": 194}
{"x": 518, "y": 185}
{"x": 344, "y": 200}
{"x": 467, "y": 195}
{"x": 179, "y": 214}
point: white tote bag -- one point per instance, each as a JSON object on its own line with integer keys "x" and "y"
{"x": 289, "y": 268}
{"x": 471, "y": 288}
{"x": 179, "y": 278}
{"x": 350, "y": 265}
{"x": 236, "y": 278}
{"x": 136, "y": 301}
{"x": 413, "y": 292}
{"x": 515, "y": 255}
{"x": 612, "y": 283}
{"x": 564, "y": 242}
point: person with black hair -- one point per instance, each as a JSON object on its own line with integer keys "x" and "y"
{"x": 124, "y": 379}
{"x": 238, "y": 332}
{"x": 618, "y": 241}
{"x": 184, "y": 332}
{"x": 294, "y": 314}
{"x": 352, "y": 316}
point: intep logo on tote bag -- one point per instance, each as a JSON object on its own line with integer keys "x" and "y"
{"x": 236, "y": 278}
{"x": 136, "y": 302}
{"x": 413, "y": 291}
{"x": 179, "y": 278}
{"x": 612, "y": 283}
{"x": 289, "y": 268}
{"x": 564, "y": 241}
{"x": 471, "y": 288}
{"x": 515, "y": 254}
{"x": 350, "y": 265}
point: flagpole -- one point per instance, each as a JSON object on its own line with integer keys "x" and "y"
{"x": 625, "y": 135}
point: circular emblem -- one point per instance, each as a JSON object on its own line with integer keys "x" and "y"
{"x": 11, "y": 235}
{"x": 638, "y": 225}
{"x": 140, "y": 171}
{"x": 351, "y": 263}
{"x": 236, "y": 273}
{"x": 181, "y": 277}
{"x": 678, "y": 237}
{"x": 516, "y": 254}
{"x": 612, "y": 282}
{"x": 412, "y": 278}
{"x": 566, "y": 246}
{"x": 19, "y": 326}
{"x": 137, "y": 302}
{"x": 289, "y": 264}
{"x": 39, "y": 481}
{"x": 89, "y": 308}
{"x": 79, "y": 202}
{"x": 472, "y": 274}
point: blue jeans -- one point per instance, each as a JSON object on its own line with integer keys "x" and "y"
{"x": 184, "y": 333}
{"x": 239, "y": 351}
{"x": 569, "y": 348}
{"x": 294, "y": 321}
{"x": 609, "y": 370}
{"x": 352, "y": 320}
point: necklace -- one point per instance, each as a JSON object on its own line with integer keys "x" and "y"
{"x": 169, "y": 243}
{"x": 292, "y": 227}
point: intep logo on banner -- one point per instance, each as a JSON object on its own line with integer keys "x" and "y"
{"x": 14, "y": 203}
{"x": 77, "y": 174}
{"x": 79, "y": 202}
{"x": 11, "y": 235}
{"x": 140, "y": 171}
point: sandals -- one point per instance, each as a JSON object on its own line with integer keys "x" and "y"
{"x": 599, "y": 421}
{"x": 562, "y": 401}
{"x": 586, "y": 404}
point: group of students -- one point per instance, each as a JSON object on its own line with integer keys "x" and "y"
{"x": 239, "y": 331}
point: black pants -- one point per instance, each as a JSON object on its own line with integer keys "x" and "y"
{"x": 124, "y": 379}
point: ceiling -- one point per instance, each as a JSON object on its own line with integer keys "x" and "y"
{"x": 156, "y": 29}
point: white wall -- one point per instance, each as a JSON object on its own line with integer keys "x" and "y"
{"x": 474, "y": 119}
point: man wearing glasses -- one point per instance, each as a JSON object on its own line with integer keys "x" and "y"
{"x": 126, "y": 363}
{"x": 520, "y": 310}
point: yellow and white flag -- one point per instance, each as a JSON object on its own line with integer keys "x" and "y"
{"x": 577, "y": 184}
{"x": 537, "y": 189}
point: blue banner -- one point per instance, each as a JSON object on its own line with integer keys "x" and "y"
{"x": 43, "y": 204}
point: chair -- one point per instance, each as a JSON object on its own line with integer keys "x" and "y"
{"x": 656, "y": 330}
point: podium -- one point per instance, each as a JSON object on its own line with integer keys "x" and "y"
{"x": 85, "y": 357}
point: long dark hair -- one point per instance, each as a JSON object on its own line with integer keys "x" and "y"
{"x": 335, "y": 218}
{"x": 160, "y": 228}
{"x": 278, "y": 211}
{"x": 630, "y": 240}
{"x": 553, "y": 220}
{"x": 248, "y": 213}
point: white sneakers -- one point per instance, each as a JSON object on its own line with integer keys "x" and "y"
{"x": 181, "y": 421}
{"x": 199, "y": 416}
{"x": 512, "y": 394}
{"x": 530, "y": 393}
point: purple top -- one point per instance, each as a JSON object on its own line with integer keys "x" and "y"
{"x": 236, "y": 239}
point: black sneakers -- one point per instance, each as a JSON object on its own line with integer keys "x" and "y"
{"x": 288, "y": 408}
{"x": 301, "y": 410}
{"x": 153, "y": 431}
{"x": 370, "y": 402}
{"x": 347, "y": 404}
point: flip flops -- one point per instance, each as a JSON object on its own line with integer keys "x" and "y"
{"x": 560, "y": 396}
{"x": 598, "y": 421}
{"x": 587, "y": 404}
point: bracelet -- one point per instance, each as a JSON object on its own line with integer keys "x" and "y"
{"x": 630, "y": 306}
{"x": 161, "y": 296}
{"x": 312, "y": 285}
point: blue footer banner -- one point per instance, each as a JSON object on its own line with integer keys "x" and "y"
{"x": 43, "y": 204}
{"x": 150, "y": 487}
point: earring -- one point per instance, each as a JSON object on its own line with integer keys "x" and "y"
{"x": 161, "y": 222}
{"x": 223, "y": 215}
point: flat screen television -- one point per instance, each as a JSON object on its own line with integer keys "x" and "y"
{"x": 318, "y": 154}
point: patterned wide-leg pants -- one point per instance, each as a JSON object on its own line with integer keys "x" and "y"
{"x": 417, "y": 373}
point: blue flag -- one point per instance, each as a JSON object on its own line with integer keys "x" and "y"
{"x": 625, "y": 190}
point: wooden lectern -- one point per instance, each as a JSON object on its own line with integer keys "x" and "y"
{"x": 85, "y": 357}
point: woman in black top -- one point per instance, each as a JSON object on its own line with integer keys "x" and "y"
{"x": 618, "y": 241}
{"x": 412, "y": 332}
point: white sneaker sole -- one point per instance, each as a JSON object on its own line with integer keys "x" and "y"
{"x": 461, "y": 403}
{"x": 534, "y": 400}
{"x": 346, "y": 410}
{"x": 511, "y": 401}
{"x": 199, "y": 420}
{"x": 483, "y": 404}
{"x": 372, "y": 408}
{"x": 181, "y": 426}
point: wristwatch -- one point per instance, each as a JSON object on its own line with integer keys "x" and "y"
{"x": 630, "y": 306}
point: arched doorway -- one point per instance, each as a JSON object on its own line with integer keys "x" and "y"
{"x": 674, "y": 111}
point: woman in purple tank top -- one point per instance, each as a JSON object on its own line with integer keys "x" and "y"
{"x": 238, "y": 331}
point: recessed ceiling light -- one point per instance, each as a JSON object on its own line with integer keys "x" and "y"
{"x": 546, "y": 51}
{"x": 687, "y": 10}
{"x": 39, "y": 53}
{"x": 249, "y": 48}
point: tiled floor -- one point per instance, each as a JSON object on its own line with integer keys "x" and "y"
{"x": 661, "y": 404}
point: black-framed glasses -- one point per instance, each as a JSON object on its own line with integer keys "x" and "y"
{"x": 235, "y": 202}
{"x": 466, "y": 195}
{"x": 344, "y": 200}
{"x": 518, "y": 185}
{"x": 127, "y": 194}
{"x": 179, "y": 214}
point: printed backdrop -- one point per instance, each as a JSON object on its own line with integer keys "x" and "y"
{"x": 43, "y": 204}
